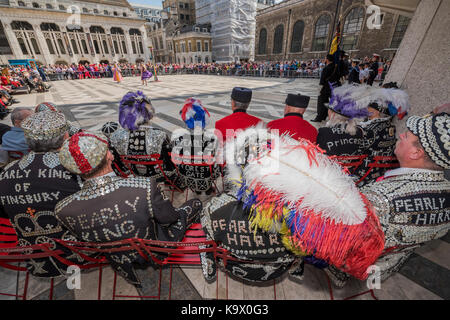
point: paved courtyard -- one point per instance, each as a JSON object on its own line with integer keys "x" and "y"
{"x": 93, "y": 102}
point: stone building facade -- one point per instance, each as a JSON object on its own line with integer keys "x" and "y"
{"x": 181, "y": 12}
{"x": 157, "y": 33}
{"x": 149, "y": 13}
{"x": 303, "y": 29}
{"x": 192, "y": 44}
{"x": 66, "y": 31}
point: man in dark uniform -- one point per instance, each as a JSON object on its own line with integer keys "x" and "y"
{"x": 240, "y": 100}
{"x": 373, "y": 69}
{"x": 293, "y": 122}
{"x": 109, "y": 208}
{"x": 31, "y": 187}
{"x": 343, "y": 65}
{"x": 354, "y": 73}
{"x": 330, "y": 74}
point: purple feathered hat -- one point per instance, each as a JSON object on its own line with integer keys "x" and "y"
{"x": 349, "y": 101}
{"x": 135, "y": 109}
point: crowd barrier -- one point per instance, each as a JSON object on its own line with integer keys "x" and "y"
{"x": 216, "y": 72}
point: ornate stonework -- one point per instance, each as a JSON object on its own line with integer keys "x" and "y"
{"x": 117, "y": 33}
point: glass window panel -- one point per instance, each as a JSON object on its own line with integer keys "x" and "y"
{"x": 262, "y": 41}
{"x": 50, "y": 46}
{"x": 62, "y": 49}
{"x": 278, "y": 39}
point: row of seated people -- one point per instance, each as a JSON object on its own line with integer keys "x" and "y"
{"x": 107, "y": 208}
{"x": 343, "y": 136}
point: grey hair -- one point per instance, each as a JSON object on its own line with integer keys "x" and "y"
{"x": 241, "y": 105}
{"x": 18, "y": 114}
{"x": 52, "y": 144}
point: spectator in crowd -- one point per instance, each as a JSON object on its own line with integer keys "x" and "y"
{"x": 373, "y": 70}
{"x": 293, "y": 123}
{"x": 353, "y": 77}
{"x": 40, "y": 182}
{"x": 14, "y": 140}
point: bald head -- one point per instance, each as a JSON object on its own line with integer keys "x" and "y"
{"x": 19, "y": 114}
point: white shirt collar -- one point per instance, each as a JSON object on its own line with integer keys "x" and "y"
{"x": 400, "y": 171}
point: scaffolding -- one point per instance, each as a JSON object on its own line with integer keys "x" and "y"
{"x": 233, "y": 24}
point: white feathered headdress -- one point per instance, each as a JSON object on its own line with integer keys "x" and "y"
{"x": 352, "y": 100}
{"x": 296, "y": 190}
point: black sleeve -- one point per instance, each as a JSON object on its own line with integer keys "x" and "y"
{"x": 322, "y": 139}
{"x": 163, "y": 210}
{"x": 325, "y": 75}
{"x": 166, "y": 149}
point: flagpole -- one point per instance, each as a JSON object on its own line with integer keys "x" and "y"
{"x": 336, "y": 18}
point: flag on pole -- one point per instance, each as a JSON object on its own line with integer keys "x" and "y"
{"x": 334, "y": 49}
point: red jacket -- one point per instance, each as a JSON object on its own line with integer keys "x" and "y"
{"x": 238, "y": 120}
{"x": 294, "y": 124}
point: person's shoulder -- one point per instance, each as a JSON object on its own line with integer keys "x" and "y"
{"x": 135, "y": 182}
{"x": 274, "y": 123}
{"x": 224, "y": 119}
{"x": 252, "y": 117}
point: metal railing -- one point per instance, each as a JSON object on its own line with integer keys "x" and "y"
{"x": 290, "y": 74}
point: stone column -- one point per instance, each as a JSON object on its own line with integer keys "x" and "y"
{"x": 130, "y": 54}
{"x": 15, "y": 47}
{"x": 42, "y": 44}
{"x": 421, "y": 63}
{"x": 145, "y": 43}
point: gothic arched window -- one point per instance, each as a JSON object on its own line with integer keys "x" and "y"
{"x": 84, "y": 45}
{"x": 297, "y": 36}
{"x": 352, "y": 27}
{"x": 278, "y": 39}
{"x": 321, "y": 33}
{"x": 105, "y": 46}
{"x": 97, "y": 48}
{"x": 262, "y": 41}
{"x": 21, "y": 25}
{"x": 50, "y": 46}
{"x": 45, "y": 26}
{"x": 74, "y": 46}
{"x": 62, "y": 49}
{"x": 96, "y": 29}
{"x": 22, "y": 45}
{"x": 135, "y": 32}
{"x": 35, "y": 46}
{"x": 116, "y": 30}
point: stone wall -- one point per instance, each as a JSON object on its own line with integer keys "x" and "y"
{"x": 370, "y": 41}
{"x": 422, "y": 62}
{"x": 37, "y": 16}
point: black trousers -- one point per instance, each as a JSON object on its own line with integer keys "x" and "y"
{"x": 322, "y": 110}
{"x": 371, "y": 79}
